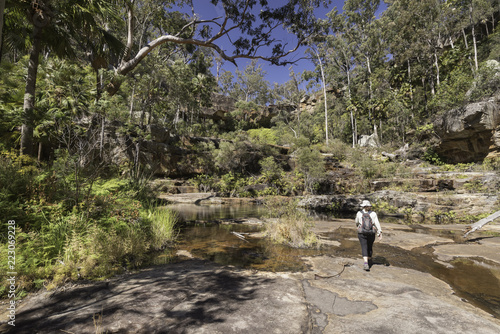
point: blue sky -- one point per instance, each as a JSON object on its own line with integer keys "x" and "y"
{"x": 275, "y": 73}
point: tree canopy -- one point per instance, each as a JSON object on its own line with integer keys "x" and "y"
{"x": 384, "y": 72}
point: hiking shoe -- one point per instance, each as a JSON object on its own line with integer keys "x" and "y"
{"x": 366, "y": 267}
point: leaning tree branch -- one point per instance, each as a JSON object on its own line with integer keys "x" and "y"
{"x": 130, "y": 62}
{"x": 127, "y": 66}
{"x": 481, "y": 223}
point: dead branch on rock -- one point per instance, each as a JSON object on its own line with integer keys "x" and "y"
{"x": 344, "y": 265}
{"x": 481, "y": 223}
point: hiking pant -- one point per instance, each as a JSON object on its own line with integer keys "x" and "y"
{"x": 366, "y": 241}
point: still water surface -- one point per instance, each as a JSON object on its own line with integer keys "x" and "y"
{"x": 474, "y": 280}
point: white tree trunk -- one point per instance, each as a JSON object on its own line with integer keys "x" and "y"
{"x": 324, "y": 96}
{"x": 437, "y": 68}
{"x": 473, "y": 37}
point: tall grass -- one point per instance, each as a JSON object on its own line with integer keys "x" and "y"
{"x": 287, "y": 224}
{"x": 163, "y": 223}
{"x": 71, "y": 247}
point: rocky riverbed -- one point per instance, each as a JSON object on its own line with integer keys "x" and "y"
{"x": 335, "y": 295}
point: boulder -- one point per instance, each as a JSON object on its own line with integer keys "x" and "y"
{"x": 369, "y": 141}
{"x": 418, "y": 206}
{"x": 221, "y": 105}
{"x": 470, "y": 133}
{"x": 158, "y": 133}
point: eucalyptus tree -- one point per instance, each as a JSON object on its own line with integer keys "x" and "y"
{"x": 226, "y": 83}
{"x": 289, "y": 94}
{"x": 251, "y": 84}
{"x": 247, "y": 26}
{"x": 472, "y": 13}
{"x": 318, "y": 57}
{"x": 416, "y": 35}
{"x": 341, "y": 64}
{"x": 360, "y": 27}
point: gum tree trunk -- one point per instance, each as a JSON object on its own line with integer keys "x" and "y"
{"x": 29, "y": 95}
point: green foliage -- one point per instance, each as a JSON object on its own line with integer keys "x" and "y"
{"x": 270, "y": 169}
{"x": 238, "y": 155}
{"x": 383, "y": 207}
{"x": 338, "y": 149}
{"x": 491, "y": 164}
{"x": 263, "y": 136}
{"x": 116, "y": 233}
{"x": 282, "y": 184}
{"x": 62, "y": 236}
{"x": 204, "y": 182}
{"x": 460, "y": 167}
{"x": 251, "y": 85}
{"x": 444, "y": 217}
{"x": 18, "y": 185}
{"x": 487, "y": 81}
{"x": 366, "y": 167}
{"x": 310, "y": 163}
{"x": 227, "y": 183}
{"x": 432, "y": 157}
{"x": 475, "y": 186}
{"x": 245, "y": 115}
{"x": 71, "y": 207}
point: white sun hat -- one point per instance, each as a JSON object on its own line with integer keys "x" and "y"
{"x": 365, "y": 203}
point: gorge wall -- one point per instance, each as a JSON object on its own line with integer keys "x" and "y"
{"x": 470, "y": 133}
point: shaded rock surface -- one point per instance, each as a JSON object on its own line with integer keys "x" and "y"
{"x": 188, "y": 297}
{"x": 334, "y": 296}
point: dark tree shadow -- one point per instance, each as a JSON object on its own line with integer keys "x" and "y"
{"x": 165, "y": 299}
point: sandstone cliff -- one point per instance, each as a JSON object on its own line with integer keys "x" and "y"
{"x": 470, "y": 133}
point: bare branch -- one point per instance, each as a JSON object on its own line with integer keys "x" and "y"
{"x": 195, "y": 22}
{"x": 223, "y": 30}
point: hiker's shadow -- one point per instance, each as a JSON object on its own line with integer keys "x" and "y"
{"x": 380, "y": 261}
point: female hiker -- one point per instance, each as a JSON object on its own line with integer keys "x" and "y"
{"x": 368, "y": 225}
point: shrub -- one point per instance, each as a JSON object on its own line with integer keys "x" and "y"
{"x": 270, "y": 169}
{"x": 263, "y": 136}
{"x": 310, "y": 163}
{"x": 492, "y": 164}
{"x": 432, "y": 157}
{"x": 286, "y": 224}
{"x": 338, "y": 149}
{"x": 487, "y": 81}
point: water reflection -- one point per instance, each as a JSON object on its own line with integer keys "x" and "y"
{"x": 217, "y": 243}
{"x": 193, "y": 212}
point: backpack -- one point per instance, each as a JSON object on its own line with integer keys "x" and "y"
{"x": 367, "y": 227}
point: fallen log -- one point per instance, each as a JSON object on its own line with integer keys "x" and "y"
{"x": 481, "y": 223}
{"x": 241, "y": 236}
